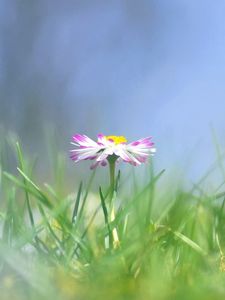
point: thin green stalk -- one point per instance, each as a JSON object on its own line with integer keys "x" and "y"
{"x": 112, "y": 178}
{"x": 20, "y": 158}
{"x": 150, "y": 197}
{"x": 85, "y": 196}
{"x": 112, "y": 166}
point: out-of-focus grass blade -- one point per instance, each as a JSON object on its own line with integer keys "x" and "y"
{"x": 51, "y": 190}
{"x": 125, "y": 225}
{"x": 126, "y": 209}
{"x": 20, "y": 184}
{"x": 151, "y": 182}
{"x": 8, "y": 221}
{"x": 85, "y": 231}
{"x": 51, "y": 231}
{"x": 189, "y": 242}
{"x": 86, "y": 194}
{"x": 77, "y": 202}
{"x": 44, "y": 198}
{"x": 211, "y": 169}
{"x": 21, "y": 163}
{"x": 151, "y": 195}
{"x": 2, "y": 216}
{"x": 117, "y": 181}
{"x": 40, "y": 196}
{"x": 104, "y": 208}
{"x": 27, "y": 236}
{"x": 165, "y": 212}
{"x": 220, "y": 195}
{"x": 105, "y": 212}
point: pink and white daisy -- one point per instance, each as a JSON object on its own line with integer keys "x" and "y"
{"x": 107, "y": 147}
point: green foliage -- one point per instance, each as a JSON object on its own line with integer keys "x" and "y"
{"x": 56, "y": 245}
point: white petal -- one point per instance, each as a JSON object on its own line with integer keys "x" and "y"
{"x": 102, "y": 156}
{"x": 153, "y": 150}
{"x": 128, "y": 155}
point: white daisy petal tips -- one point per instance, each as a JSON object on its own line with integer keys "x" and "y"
{"x": 134, "y": 153}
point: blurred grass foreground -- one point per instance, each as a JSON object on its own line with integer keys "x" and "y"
{"x": 54, "y": 241}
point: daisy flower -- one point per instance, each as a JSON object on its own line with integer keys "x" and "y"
{"x": 111, "y": 147}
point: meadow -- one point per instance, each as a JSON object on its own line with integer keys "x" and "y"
{"x": 57, "y": 241}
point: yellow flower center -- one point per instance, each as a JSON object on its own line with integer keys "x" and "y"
{"x": 116, "y": 139}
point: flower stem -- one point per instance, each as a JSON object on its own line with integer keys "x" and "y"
{"x": 112, "y": 165}
{"x": 112, "y": 179}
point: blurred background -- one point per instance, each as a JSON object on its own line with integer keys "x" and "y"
{"x": 133, "y": 68}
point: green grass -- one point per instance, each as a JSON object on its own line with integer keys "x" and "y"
{"x": 55, "y": 241}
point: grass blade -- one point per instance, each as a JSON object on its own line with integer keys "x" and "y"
{"x": 189, "y": 242}
{"x": 77, "y": 202}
